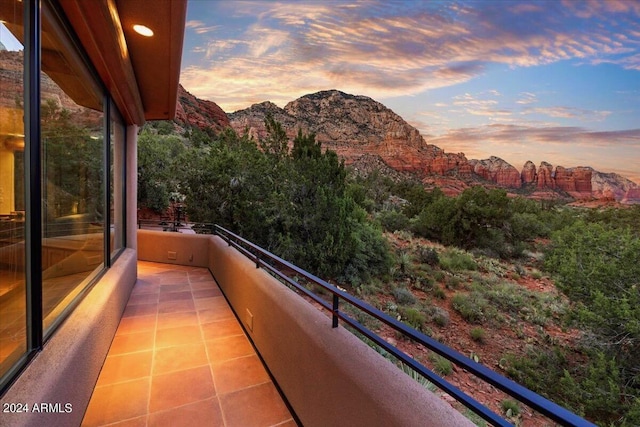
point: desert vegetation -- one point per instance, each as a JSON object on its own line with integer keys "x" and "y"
{"x": 543, "y": 292}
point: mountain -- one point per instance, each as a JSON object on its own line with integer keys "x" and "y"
{"x": 368, "y": 135}
{"x": 199, "y": 112}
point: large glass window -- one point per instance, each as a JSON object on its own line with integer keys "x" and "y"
{"x": 62, "y": 188}
{"x": 73, "y": 162}
{"x": 13, "y": 335}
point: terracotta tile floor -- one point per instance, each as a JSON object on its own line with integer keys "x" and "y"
{"x": 180, "y": 358}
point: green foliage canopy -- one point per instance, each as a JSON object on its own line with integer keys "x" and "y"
{"x": 294, "y": 202}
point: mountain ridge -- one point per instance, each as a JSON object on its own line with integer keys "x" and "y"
{"x": 360, "y": 129}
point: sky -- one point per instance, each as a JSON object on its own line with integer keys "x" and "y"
{"x": 555, "y": 81}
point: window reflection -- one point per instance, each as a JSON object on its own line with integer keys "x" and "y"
{"x": 13, "y": 342}
{"x": 73, "y": 147}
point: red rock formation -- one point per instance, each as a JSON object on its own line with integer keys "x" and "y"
{"x": 574, "y": 181}
{"x": 529, "y": 173}
{"x": 200, "y": 113}
{"x": 360, "y": 129}
{"x": 545, "y": 176}
{"x": 496, "y": 170}
{"x": 355, "y": 127}
{"x": 632, "y": 196}
{"x": 564, "y": 180}
{"x": 582, "y": 181}
{"x": 613, "y": 186}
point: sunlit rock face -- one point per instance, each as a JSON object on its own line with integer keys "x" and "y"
{"x": 497, "y": 171}
{"x": 574, "y": 181}
{"x": 632, "y": 196}
{"x": 614, "y": 187}
{"x": 200, "y": 113}
{"x": 359, "y": 130}
{"x": 529, "y": 173}
{"x": 544, "y": 179}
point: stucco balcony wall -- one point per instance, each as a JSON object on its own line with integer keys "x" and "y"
{"x": 328, "y": 375}
{"x": 173, "y": 248}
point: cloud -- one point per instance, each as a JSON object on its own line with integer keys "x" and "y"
{"x": 200, "y": 27}
{"x": 279, "y": 51}
{"x": 611, "y": 151}
{"x": 569, "y": 113}
{"x": 526, "y": 98}
{"x": 384, "y": 49}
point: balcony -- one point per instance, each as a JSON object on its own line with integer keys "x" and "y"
{"x": 180, "y": 357}
{"x": 204, "y": 337}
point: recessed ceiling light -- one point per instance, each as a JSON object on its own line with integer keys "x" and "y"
{"x": 142, "y": 30}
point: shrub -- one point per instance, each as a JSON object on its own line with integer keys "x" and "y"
{"x": 439, "y": 276}
{"x": 392, "y": 220}
{"x": 414, "y": 317}
{"x": 405, "y": 262}
{"x": 477, "y": 334}
{"x": 441, "y": 366}
{"x": 439, "y": 293}
{"x": 439, "y": 316}
{"x": 453, "y": 282}
{"x": 510, "y": 408}
{"x": 424, "y": 283}
{"x": 472, "y": 307}
{"x": 428, "y": 256}
{"x": 508, "y": 297}
{"x": 453, "y": 260}
{"x": 403, "y": 296}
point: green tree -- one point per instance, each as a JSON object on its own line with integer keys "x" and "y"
{"x": 597, "y": 268}
{"x": 73, "y": 164}
{"x": 160, "y": 168}
{"x": 294, "y": 202}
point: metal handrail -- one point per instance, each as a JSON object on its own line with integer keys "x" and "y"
{"x": 266, "y": 259}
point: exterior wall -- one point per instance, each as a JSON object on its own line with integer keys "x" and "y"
{"x": 66, "y": 371}
{"x": 328, "y": 375}
{"x": 173, "y": 248}
{"x": 131, "y": 167}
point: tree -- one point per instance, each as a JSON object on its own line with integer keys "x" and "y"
{"x": 597, "y": 268}
{"x": 160, "y": 168}
{"x": 294, "y": 202}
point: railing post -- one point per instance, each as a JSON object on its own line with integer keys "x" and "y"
{"x": 336, "y": 302}
{"x": 257, "y": 253}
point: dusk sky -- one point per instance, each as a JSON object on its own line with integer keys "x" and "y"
{"x": 542, "y": 80}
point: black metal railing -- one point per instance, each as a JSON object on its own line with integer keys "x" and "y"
{"x": 275, "y": 265}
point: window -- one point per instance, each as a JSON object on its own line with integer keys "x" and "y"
{"x": 62, "y": 222}
{"x": 13, "y": 333}
{"x": 73, "y": 167}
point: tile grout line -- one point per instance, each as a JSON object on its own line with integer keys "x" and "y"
{"x": 153, "y": 358}
{"x": 206, "y": 350}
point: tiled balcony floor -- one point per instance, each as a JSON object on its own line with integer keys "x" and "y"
{"x": 180, "y": 358}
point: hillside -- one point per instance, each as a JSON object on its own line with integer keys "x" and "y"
{"x": 368, "y": 135}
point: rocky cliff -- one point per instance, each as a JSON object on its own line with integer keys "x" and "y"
{"x": 614, "y": 187}
{"x": 200, "y": 113}
{"x": 359, "y": 130}
{"x": 496, "y": 170}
